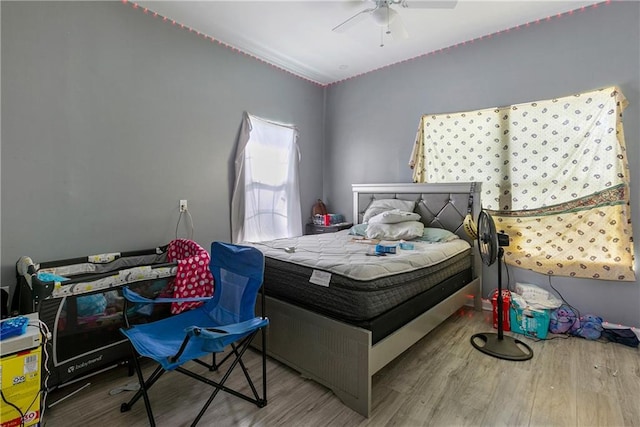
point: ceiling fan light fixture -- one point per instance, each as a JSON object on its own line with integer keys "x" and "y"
{"x": 383, "y": 15}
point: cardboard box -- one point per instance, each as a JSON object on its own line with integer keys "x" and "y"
{"x": 530, "y": 322}
{"x": 20, "y": 383}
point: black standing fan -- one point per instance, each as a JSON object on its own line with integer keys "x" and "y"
{"x": 497, "y": 345}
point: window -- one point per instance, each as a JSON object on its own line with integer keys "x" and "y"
{"x": 266, "y": 196}
{"x": 554, "y": 176}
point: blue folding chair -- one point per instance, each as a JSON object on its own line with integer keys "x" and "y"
{"x": 226, "y": 320}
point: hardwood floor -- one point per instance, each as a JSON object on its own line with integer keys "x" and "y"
{"x": 440, "y": 381}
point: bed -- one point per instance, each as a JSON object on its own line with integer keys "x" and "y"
{"x": 80, "y": 300}
{"x": 339, "y": 313}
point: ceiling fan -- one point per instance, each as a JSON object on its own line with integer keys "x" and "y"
{"x": 387, "y": 18}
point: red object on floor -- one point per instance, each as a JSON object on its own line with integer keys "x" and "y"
{"x": 506, "y": 302}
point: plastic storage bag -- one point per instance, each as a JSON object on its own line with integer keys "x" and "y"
{"x": 536, "y": 297}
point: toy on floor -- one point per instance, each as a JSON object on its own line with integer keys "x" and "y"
{"x": 562, "y": 319}
{"x": 588, "y": 326}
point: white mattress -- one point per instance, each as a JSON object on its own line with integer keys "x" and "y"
{"x": 340, "y": 253}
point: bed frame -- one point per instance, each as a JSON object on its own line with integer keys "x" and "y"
{"x": 341, "y": 356}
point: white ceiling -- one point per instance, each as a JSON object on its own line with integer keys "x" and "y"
{"x": 297, "y": 35}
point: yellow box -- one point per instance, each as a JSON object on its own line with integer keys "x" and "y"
{"x": 20, "y": 383}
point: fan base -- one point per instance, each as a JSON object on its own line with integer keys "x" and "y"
{"x": 505, "y": 347}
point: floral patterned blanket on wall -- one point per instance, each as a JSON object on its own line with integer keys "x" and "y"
{"x": 555, "y": 178}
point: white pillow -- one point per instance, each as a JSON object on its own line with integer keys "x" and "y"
{"x": 383, "y": 205}
{"x": 394, "y": 216}
{"x": 400, "y": 231}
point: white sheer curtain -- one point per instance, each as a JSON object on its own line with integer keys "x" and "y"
{"x": 266, "y": 198}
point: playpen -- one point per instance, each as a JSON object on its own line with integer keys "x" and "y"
{"x": 80, "y": 300}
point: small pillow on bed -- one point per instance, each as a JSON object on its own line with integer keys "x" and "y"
{"x": 358, "y": 230}
{"x": 437, "y": 235}
{"x": 393, "y": 217}
{"x": 400, "y": 231}
{"x": 383, "y": 205}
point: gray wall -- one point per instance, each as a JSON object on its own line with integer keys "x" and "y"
{"x": 372, "y": 120}
{"x": 110, "y": 116}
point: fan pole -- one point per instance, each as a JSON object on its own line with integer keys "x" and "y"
{"x": 498, "y": 345}
{"x": 499, "y": 299}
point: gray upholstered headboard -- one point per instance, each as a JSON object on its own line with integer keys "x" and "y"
{"x": 439, "y": 205}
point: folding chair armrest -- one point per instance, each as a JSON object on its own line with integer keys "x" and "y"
{"x": 131, "y": 296}
{"x": 135, "y": 297}
{"x": 231, "y": 329}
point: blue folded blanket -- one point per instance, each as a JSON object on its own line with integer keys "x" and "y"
{"x": 50, "y": 277}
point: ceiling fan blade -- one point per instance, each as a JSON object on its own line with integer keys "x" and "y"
{"x": 396, "y": 28}
{"x": 358, "y": 17}
{"x": 429, "y": 4}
